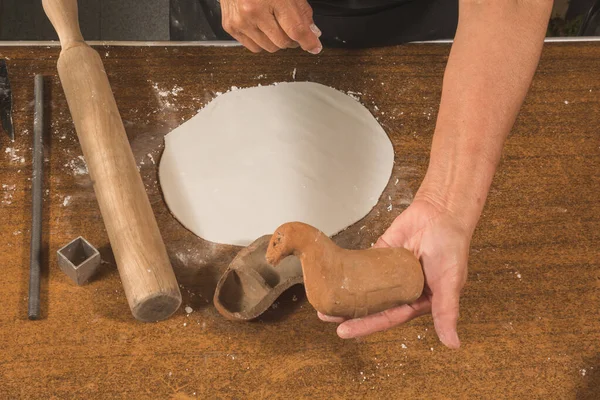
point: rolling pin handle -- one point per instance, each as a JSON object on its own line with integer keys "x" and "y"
{"x": 63, "y": 15}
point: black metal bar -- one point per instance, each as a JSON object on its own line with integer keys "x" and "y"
{"x": 6, "y": 101}
{"x": 37, "y": 199}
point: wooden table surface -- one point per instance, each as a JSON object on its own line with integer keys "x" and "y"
{"x": 529, "y": 325}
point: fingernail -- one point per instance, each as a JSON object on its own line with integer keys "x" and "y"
{"x": 454, "y": 340}
{"x": 343, "y": 332}
{"x": 316, "y": 50}
{"x": 450, "y": 340}
{"x": 316, "y": 30}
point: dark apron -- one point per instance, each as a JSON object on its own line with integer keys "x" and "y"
{"x": 373, "y": 23}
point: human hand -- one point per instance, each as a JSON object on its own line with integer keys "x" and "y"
{"x": 271, "y": 24}
{"x": 441, "y": 242}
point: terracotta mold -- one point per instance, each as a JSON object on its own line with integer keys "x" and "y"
{"x": 348, "y": 283}
{"x": 250, "y": 285}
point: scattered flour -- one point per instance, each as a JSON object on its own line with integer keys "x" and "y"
{"x": 231, "y": 89}
{"x": 14, "y": 157}
{"x": 78, "y": 166}
{"x": 8, "y": 193}
{"x": 176, "y": 90}
{"x": 66, "y": 201}
{"x": 163, "y": 95}
{"x": 354, "y": 95}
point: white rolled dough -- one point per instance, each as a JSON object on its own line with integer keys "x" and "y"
{"x": 255, "y": 158}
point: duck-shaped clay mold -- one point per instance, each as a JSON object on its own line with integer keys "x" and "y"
{"x": 348, "y": 283}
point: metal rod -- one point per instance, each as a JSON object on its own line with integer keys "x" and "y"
{"x": 37, "y": 199}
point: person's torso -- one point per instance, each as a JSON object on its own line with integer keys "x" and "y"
{"x": 353, "y": 7}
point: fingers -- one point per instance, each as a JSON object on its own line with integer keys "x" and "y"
{"x": 262, "y": 40}
{"x": 250, "y": 37}
{"x": 396, "y": 234}
{"x": 384, "y": 320}
{"x": 275, "y": 34}
{"x": 327, "y": 318}
{"x": 381, "y": 243}
{"x": 271, "y": 25}
{"x": 444, "y": 309}
{"x": 246, "y": 42}
{"x": 298, "y": 24}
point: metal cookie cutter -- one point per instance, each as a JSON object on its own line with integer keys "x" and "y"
{"x": 79, "y": 260}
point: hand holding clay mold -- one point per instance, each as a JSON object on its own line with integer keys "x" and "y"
{"x": 348, "y": 283}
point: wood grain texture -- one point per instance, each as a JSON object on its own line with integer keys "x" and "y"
{"x": 529, "y": 319}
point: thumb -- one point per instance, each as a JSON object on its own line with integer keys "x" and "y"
{"x": 444, "y": 309}
{"x": 394, "y": 236}
{"x": 381, "y": 242}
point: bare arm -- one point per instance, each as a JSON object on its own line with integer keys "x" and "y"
{"x": 495, "y": 54}
{"x": 493, "y": 59}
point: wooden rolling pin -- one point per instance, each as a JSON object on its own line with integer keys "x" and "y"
{"x": 146, "y": 272}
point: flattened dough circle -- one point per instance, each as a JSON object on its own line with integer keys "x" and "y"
{"x": 255, "y": 158}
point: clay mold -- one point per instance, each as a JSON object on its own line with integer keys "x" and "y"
{"x": 250, "y": 285}
{"x": 348, "y": 283}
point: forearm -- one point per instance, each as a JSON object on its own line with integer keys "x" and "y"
{"x": 494, "y": 56}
